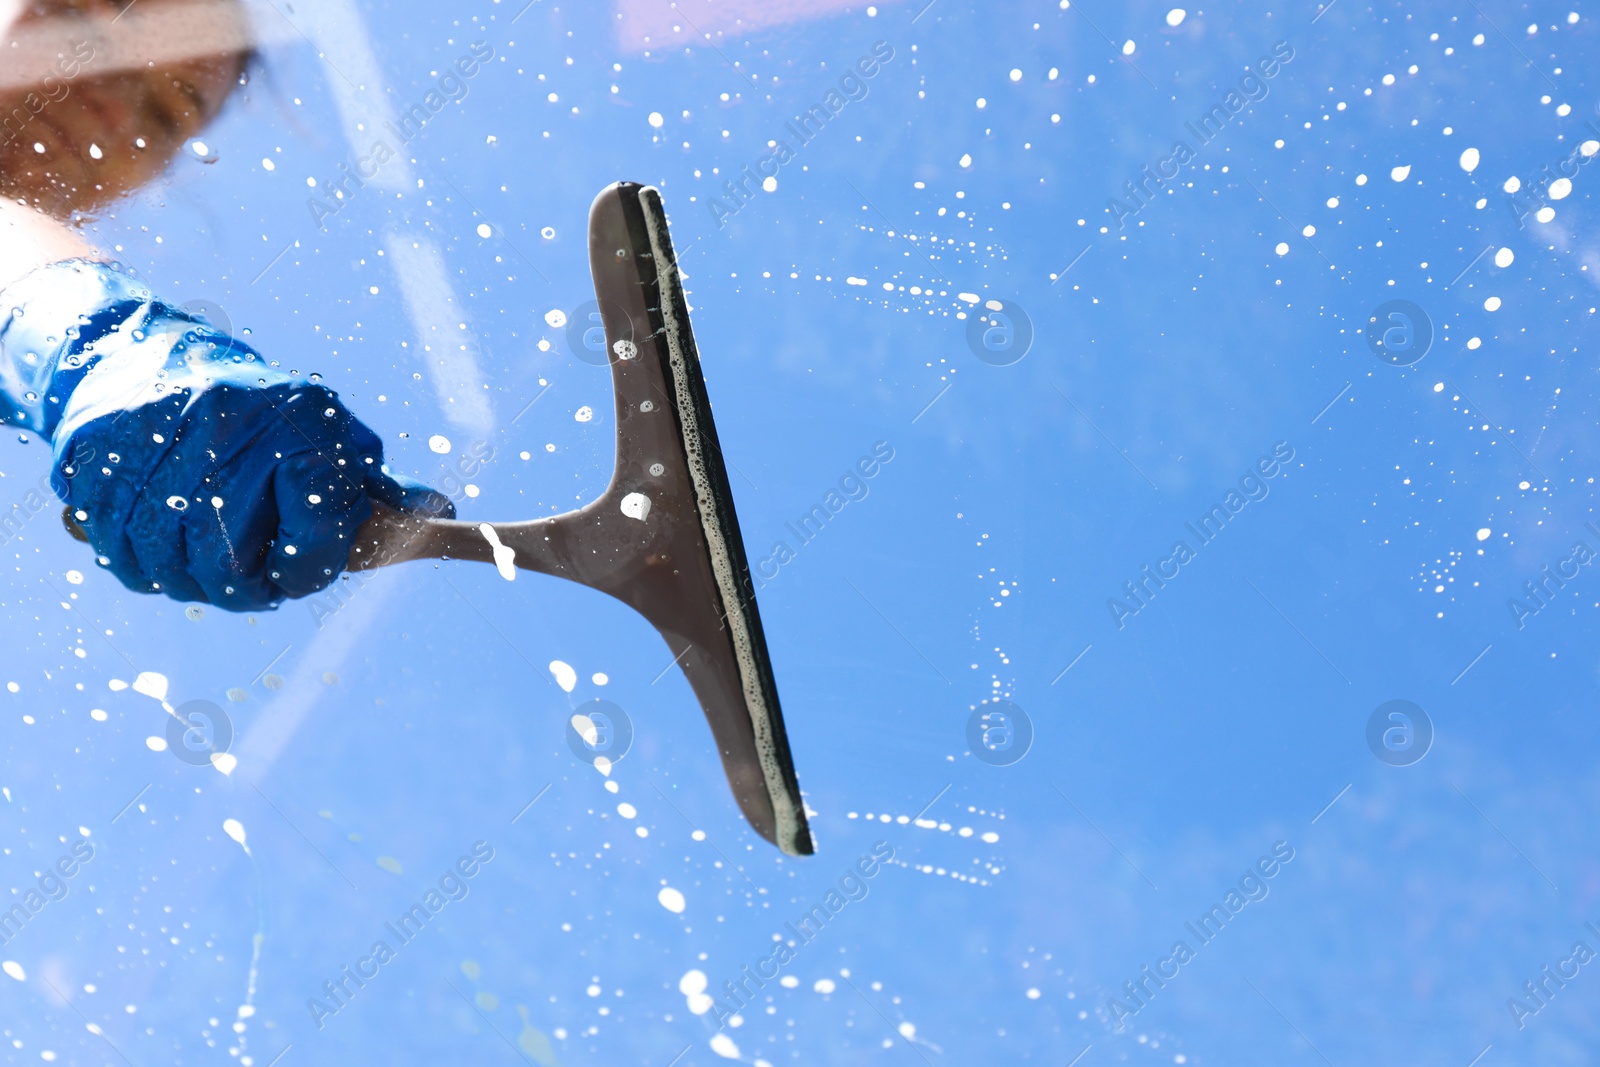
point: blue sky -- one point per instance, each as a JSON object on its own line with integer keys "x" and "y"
{"x": 378, "y": 745}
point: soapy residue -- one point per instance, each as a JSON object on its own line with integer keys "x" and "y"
{"x": 151, "y": 684}
{"x": 504, "y": 555}
{"x": 565, "y": 676}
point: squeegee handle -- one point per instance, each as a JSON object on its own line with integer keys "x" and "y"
{"x": 542, "y": 545}
{"x": 392, "y": 536}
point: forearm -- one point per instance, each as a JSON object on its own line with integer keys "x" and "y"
{"x": 70, "y": 319}
{"x": 61, "y": 320}
{"x": 30, "y": 240}
{"x": 194, "y": 467}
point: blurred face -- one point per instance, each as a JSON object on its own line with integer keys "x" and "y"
{"x": 77, "y": 141}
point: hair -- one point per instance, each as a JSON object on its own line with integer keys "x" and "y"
{"x": 134, "y": 120}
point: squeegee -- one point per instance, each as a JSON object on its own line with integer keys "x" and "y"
{"x": 663, "y": 538}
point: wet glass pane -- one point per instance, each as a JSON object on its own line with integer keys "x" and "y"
{"x": 1106, "y": 577}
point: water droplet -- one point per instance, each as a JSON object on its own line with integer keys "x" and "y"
{"x": 177, "y": 503}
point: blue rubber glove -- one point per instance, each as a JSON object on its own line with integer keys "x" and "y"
{"x": 196, "y": 468}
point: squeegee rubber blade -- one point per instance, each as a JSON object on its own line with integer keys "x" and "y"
{"x": 739, "y": 601}
{"x": 727, "y": 660}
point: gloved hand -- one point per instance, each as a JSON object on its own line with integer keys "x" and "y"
{"x": 195, "y": 467}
